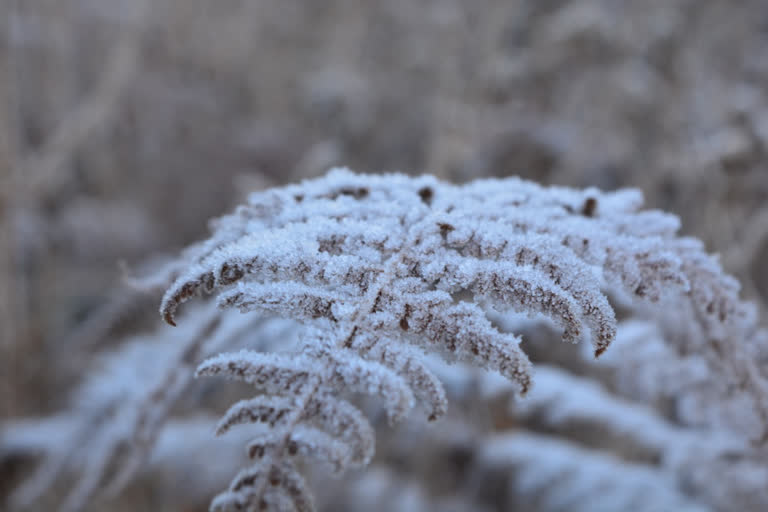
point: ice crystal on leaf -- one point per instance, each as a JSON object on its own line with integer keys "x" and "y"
{"x": 380, "y": 269}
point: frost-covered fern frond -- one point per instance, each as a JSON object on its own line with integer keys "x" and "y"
{"x": 548, "y": 474}
{"x": 121, "y": 407}
{"x": 631, "y": 405}
{"x": 581, "y": 409}
{"x": 380, "y": 267}
{"x": 200, "y": 472}
{"x": 645, "y": 366}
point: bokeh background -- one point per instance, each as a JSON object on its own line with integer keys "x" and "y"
{"x": 126, "y": 124}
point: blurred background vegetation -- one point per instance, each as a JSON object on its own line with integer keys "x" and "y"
{"x": 126, "y": 124}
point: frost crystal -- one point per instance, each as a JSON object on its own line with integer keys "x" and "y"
{"x": 379, "y": 268}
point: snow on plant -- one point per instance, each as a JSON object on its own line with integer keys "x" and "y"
{"x": 377, "y": 275}
{"x": 382, "y": 268}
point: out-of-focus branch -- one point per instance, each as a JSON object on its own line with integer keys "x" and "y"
{"x": 44, "y": 169}
{"x": 25, "y": 178}
{"x": 10, "y": 319}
